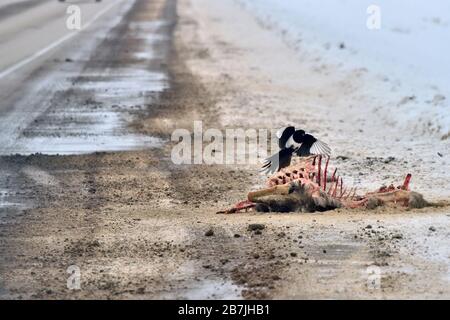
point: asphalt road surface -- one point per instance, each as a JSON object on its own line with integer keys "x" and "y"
{"x": 41, "y": 57}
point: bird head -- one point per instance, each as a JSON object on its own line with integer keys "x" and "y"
{"x": 298, "y": 136}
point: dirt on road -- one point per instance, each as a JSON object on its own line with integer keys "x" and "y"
{"x": 138, "y": 226}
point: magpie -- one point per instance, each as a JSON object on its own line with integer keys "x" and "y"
{"x": 293, "y": 142}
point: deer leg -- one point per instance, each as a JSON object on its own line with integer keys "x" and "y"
{"x": 279, "y": 189}
{"x": 243, "y": 205}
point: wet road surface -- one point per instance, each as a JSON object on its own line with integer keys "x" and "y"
{"x": 73, "y": 92}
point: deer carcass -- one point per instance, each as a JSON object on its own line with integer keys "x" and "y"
{"x": 307, "y": 186}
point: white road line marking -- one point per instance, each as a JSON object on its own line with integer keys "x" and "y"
{"x": 55, "y": 44}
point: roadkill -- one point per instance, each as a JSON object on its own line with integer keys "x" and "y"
{"x": 305, "y": 187}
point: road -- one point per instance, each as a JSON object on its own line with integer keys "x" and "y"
{"x": 29, "y": 27}
{"x": 41, "y": 58}
{"x": 73, "y": 92}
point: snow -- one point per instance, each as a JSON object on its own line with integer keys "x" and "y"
{"x": 408, "y": 58}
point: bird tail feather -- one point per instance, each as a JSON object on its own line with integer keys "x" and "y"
{"x": 271, "y": 164}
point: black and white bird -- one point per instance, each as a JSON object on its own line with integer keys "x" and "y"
{"x": 293, "y": 142}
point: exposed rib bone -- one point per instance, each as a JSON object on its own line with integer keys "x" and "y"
{"x": 354, "y": 193}
{"x": 405, "y": 185}
{"x": 335, "y": 188}
{"x": 334, "y": 175}
{"x": 349, "y": 193}
{"x": 343, "y": 193}
{"x": 325, "y": 174}
{"x": 319, "y": 168}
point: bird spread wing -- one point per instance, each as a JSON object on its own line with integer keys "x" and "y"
{"x": 281, "y": 130}
{"x": 277, "y": 161}
{"x": 320, "y": 147}
{"x": 270, "y": 165}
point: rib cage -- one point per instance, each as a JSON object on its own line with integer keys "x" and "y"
{"x": 309, "y": 170}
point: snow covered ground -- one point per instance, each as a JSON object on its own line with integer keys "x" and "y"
{"x": 408, "y": 57}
